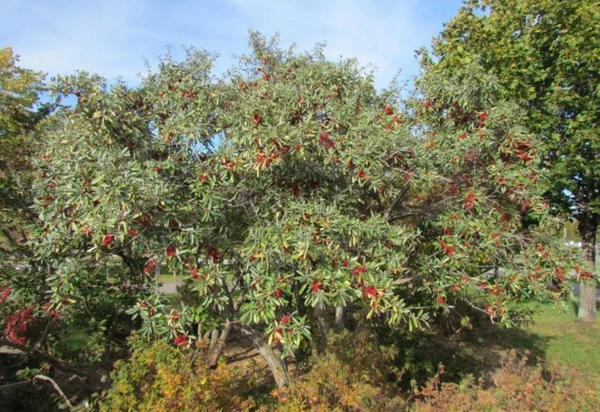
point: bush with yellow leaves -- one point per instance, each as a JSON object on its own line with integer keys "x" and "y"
{"x": 355, "y": 374}
{"x": 159, "y": 377}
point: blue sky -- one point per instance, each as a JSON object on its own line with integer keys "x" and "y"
{"x": 114, "y": 38}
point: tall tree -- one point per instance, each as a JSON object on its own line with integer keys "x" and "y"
{"x": 20, "y": 114}
{"x": 545, "y": 54}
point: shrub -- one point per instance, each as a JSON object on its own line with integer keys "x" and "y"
{"x": 354, "y": 375}
{"x": 320, "y": 195}
{"x": 160, "y": 377}
{"x": 516, "y": 386}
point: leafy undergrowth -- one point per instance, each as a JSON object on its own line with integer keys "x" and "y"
{"x": 551, "y": 364}
{"x": 481, "y": 373}
{"x": 516, "y": 386}
{"x": 159, "y": 377}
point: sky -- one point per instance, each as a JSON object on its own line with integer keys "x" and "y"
{"x": 116, "y": 38}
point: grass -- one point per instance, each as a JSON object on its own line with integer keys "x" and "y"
{"x": 560, "y": 339}
{"x": 168, "y": 278}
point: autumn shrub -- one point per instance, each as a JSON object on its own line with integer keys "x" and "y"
{"x": 161, "y": 377}
{"x": 355, "y": 374}
{"x": 516, "y": 386}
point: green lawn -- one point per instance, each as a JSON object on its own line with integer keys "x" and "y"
{"x": 560, "y": 339}
{"x": 168, "y": 278}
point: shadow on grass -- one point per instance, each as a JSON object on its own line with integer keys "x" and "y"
{"x": 476, "y": 353}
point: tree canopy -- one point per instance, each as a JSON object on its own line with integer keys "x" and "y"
{"x": 545, "y": 57}
{"x": 292, "y": 196}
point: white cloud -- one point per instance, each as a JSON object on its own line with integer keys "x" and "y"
{"x": 114, "y": 37}
{"x": 60, "y": 40}
{"x": 384, "y": 34}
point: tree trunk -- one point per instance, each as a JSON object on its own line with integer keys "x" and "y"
{"x": 588, "y": 224}
{"x": 339, "y": 318}
{"x": 214, "y": 337}
{"x": 215, "y": 351}
{"x": 321, "y": 315}
{"x": 276, "y": 366}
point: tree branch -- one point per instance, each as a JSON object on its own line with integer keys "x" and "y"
{"x": 402, "y": 281}
{"x": 400, "y": 196}
{"x": 56, "y": 388}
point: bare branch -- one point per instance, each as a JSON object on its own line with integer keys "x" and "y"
{"x": 56, "y": 388}
{"x": 402, "y": 281}
{"x": 400, "y": 196}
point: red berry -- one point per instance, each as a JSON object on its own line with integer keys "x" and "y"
{"x": 325, "y": 141}
{"x": 107, "y": 239}
{"x": 449, "y": 250}
{"x": 262, "y": 159}
{"x": 4, "y": 294}
{"x": 171, "y": 251}
{"x": 358, "y": 270}
{"x": 524, "y": 156}
{"x": 470, "y": 200}
{"x": 214, "y": 254}
{"x": 370, "y": 291}
{"x": 180, "y": 341}
{"x": 149, "y": 266}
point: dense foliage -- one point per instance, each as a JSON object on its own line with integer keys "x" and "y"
{"x": 545, "y": 57}
{"x": 160, "y": 377}
{"x": 20, "y": 116}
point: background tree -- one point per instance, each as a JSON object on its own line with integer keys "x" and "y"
{"x": 545, "y": 57}
{"x": 20, "y": 115}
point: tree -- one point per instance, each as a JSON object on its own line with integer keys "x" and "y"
{"x": 294, "y": 198}
{"x": 19, "y": 96}
{"x": 545, "y": 56}
{"x": 20, "y": 115}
